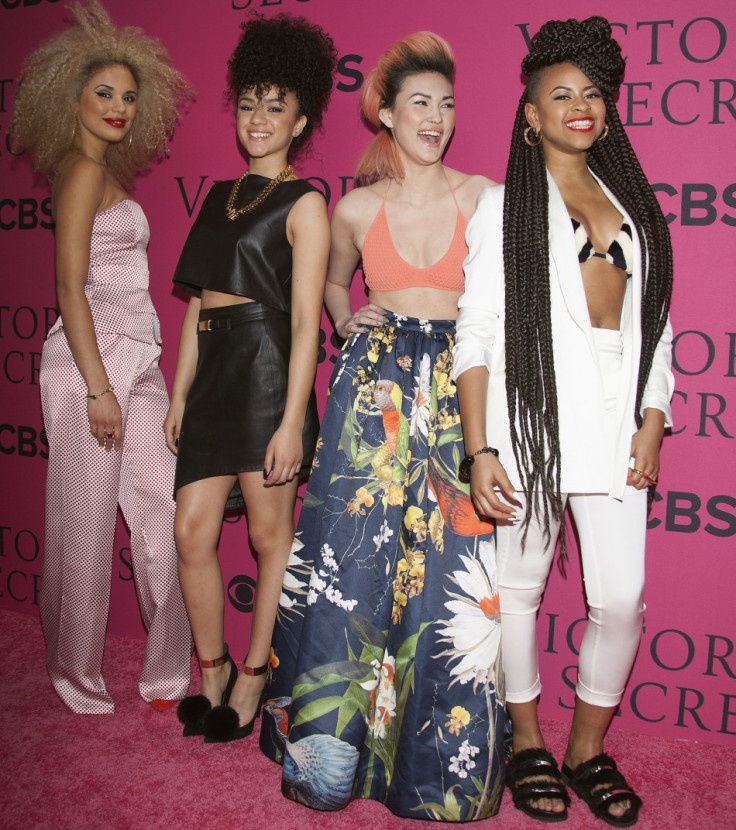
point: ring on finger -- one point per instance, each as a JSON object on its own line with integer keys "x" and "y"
{"x": 644, "y": 475}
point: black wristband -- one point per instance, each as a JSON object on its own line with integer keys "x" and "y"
{"x": 463, "y": 472}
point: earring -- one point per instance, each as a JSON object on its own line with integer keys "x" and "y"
{"x": 74, "y": 131}
{"x": 604, "y": 135}
{"x": 130, "y": 139}
{"x": 537, "y": 135}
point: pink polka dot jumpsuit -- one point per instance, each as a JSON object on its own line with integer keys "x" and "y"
{"x": 86, "y": 484}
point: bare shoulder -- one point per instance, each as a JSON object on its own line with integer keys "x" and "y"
{"x": 79, "y": 181}
{"x": 359, "y": 207}
{"x": 467, "y": 188}
{"x": 311, "y": 202}
{"x": 308, "y": 217}
{"x": 76, "y": 170}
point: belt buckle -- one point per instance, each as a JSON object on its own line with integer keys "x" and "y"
{"x": 204, "y": 325}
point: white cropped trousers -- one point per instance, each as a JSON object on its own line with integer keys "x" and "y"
{"x": 85, "y": 485}
{"x": 611, "y": 537}
{"x": 612, "y": 544}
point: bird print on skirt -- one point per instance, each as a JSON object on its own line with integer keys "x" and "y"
{"x": 386, "y": 678}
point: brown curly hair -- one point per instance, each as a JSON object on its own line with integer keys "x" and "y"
{"x": 288, "y": 53}
{"x": 66, "y": 62}
{"x": 530, "y": 376}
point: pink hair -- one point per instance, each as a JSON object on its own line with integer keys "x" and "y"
{"x": 418, "y": 52}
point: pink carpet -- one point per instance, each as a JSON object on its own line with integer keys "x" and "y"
{"x": 133, "y": 770}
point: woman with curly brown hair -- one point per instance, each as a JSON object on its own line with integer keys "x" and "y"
{"x": 243, "y": 415}
{"x": 387, "y": 680}
{"x": 563, "y": 363}
{"x": 116, "y": 102}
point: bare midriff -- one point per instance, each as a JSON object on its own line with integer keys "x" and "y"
{"x": 422, "y": 302}
{"x": 605, "y": 287}
{"x": 218, "y": 299}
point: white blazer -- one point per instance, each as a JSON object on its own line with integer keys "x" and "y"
{"x": 588, "y": 465}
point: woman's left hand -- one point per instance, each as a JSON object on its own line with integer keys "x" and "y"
{"x": 105, "y": 421}
{"x": 645, "y": 445}
{"x": 283, "y": 456}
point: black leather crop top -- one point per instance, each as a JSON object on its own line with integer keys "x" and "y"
{"x": 249, "y": 256}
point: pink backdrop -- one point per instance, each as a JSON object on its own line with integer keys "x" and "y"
{"x": 679, "y": 102}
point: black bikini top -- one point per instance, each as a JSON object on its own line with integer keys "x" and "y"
{"x": 620, "y": 253}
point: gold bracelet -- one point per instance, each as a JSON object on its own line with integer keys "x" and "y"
{"x": 110, "y": 388}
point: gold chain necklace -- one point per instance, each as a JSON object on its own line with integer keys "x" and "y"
{"x": 286, "y": 174}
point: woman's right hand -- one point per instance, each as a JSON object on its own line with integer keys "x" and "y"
{"x": 365, "y": 318}
{"x": 172, "y": 425}
{"x": 105, "y": 421}
{"x": 487, "y": 475}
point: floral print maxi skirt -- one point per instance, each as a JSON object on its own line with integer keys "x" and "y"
{"x": 385, "y": 679}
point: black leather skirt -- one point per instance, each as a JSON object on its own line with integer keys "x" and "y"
{"x": 237, "y": 399}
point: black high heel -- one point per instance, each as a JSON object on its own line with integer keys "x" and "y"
{"x": 222, "y": 723}
{"x": 193, "y": 709}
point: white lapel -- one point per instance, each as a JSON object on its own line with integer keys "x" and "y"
{"x": 565, "y": 264}
{"x": 631, "y": 316}
{"x": 630, "y": 321}
{"x": 564, "y": 260}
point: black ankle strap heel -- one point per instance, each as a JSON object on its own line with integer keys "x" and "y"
{"x": 193, "y": 709}
{"x": 222, "y": 724}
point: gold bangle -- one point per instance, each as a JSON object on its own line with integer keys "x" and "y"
{"x": 110, "y": 388}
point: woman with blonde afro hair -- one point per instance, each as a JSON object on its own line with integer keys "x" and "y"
{"x": 65, "y": 63}
{"x": 104, "y": 399}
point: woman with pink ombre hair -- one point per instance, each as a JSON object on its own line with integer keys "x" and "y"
{"x": 387, "y": 680}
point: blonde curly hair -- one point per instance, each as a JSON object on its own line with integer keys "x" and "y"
{"x": 66, "y": 62}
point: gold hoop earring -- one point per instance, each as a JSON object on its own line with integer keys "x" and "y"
{"x": 130, "y": 139}
{"x": 604, "y": 135}
{"x": 74, "y": 131}
{"x": 537, "y": 135}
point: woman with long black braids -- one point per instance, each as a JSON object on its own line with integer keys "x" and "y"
{"x": 563, "y": 364}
